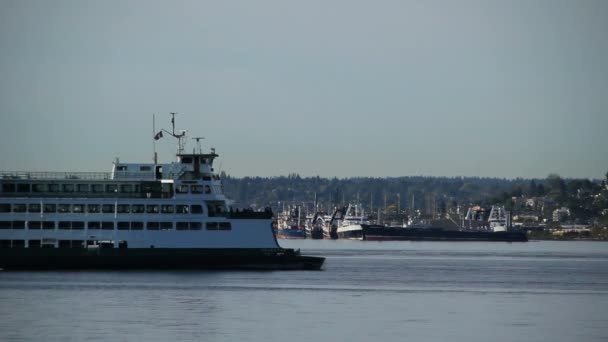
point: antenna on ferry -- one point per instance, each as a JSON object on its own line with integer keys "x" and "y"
{"x": 173, "y": 122}
{"x": 155, "y": 138}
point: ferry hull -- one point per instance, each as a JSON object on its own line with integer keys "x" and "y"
{"x": 381, "y": 233}
{"x": 156, "y": 258}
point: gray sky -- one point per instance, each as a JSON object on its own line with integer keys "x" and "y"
{"x": 505, "y": 88}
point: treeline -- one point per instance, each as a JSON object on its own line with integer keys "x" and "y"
{"x": 586, "y": 199}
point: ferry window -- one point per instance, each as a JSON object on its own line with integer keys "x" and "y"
{"x": 107, "y": 208}
{"x": 137, "y": 208}
{"x": 137, "y": 225}
{"x": 123, "y": 225}
{"x": 181, "y": 226}
{"x": 63, "y": 208}
{"x": 18, "y": 208}
{"x": 5, "y": 224}
{"x": 195, "y": 225}
{"x": 196, "y": 209}
{"x": 123, "y": 208}
{"x": 181, "y": 209}
{"x": 5, "y": 243}
{"x": 34, "y": 243}
{"x": 40, "y": 188}
{"x": 48, "y": 225}
{"x": 182, "y": 189}
{"x": 167, "y": 188}
{"x": 65, "y": 225}
{"x": 136, "y": 188}
{"x": 111, "y": 188}
{"x": 107, "y": 225}
{"x": 64, "y": 244}
{"x": 122, "y": 244}
{"x": 18, "y": 243}
{"x": 77, "y": 243}
{"x": 196, "y": 189}
{"x": 8, "y": 187}
{"x": 166, "y": 209}
{"x": 53, "y": 187}
{"x": 50, "y": 208}
{"x": 77, "y": 225}
{"x": 216, "y": 208}
{"x": 93, "y": 208}
{"x": 121, "y": 168}
{"x": 83, "y": 187}
{"x": 207, "y": 177}
{"x": 23, "y": 187}
{"x": 94, "y": 225}
{"x": 152, "y": 225}
{"x": 186, "y": 160}
{"x": 152, "y": 208}
{"x": 225, "y": 226}
{"x": 34, "y": 225}
{"x": 145, "y": 168}
{"x": 33, "y": 208}
{"x": 98, "y": 188}
{"x": 68, "y": 187}
{"x": 207, "y": 189}
{"x": 5, "y": 208}
{"x": 126, "y": 188}
{"x": 166, "y": 225}
{"x": 78, "y": 208}
{"x": 211, "y": 225}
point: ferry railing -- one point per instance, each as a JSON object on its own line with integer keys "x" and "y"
{"x": 49, "y": 175}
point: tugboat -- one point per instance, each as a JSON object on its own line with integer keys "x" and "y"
{"x": 138, "y": 216}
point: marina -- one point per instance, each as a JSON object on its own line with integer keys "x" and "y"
{"x": 351, "y": 223}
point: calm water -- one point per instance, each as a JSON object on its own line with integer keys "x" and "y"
{"x": 385, "y": 291}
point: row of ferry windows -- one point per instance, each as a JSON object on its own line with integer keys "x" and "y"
{"x": 46, "y": 244}
{"x": 102, "y": 208}
{"x": 95, "y": 188}
{"x": 109, "y": 225}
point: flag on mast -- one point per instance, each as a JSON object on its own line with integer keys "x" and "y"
{"x": 158, "y": 135}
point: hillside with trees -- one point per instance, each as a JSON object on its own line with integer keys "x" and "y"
{"x": 586, "y": 200}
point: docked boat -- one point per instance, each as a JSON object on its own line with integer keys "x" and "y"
{"x": 289, "y": 224}
{"x": 374, "y": 232}
{"x": 350, "y": 223}
{"x": 417, "y": 231}
{"x": 138, "y": 216}
{"x": 314, "y": 226}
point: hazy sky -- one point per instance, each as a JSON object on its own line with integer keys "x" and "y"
{"x": 510, "y": 88}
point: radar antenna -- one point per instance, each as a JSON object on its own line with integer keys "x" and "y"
{"x": 198, "y": 144}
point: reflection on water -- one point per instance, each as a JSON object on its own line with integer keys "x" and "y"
{"x": 422, "y": 291}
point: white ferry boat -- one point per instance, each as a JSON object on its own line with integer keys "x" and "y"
{"x": 138, "y": 216}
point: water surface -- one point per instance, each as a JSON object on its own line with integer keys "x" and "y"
{"x": 389, "y": 291}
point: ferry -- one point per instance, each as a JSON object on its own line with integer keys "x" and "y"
{"x": 138, "y": 216}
